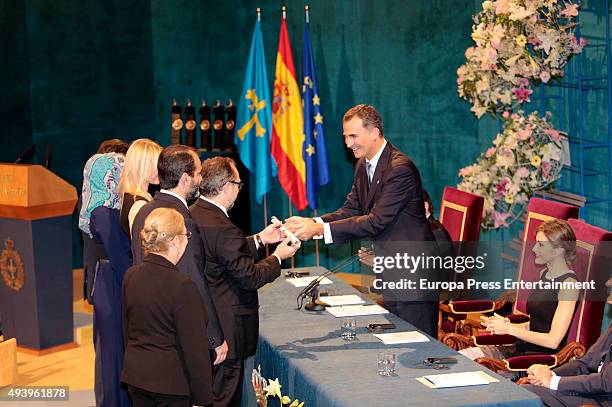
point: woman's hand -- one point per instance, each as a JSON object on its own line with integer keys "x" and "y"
{"x": 497, "y": 325}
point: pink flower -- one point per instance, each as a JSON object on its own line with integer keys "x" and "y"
{"x": 545, "y": 76}
{"x": 505, "y": 115}
{"x": 500, "y": 219}
{"x": 523, "y": 134}
{"x": 522, "y": 172}
{"x": 524, "y": 82}
{"x": 500, "y": 188}
{"x": 545, "y": 169}
{"x": 490, "y": 152}
{"x": 577, "y": 46}
{"x": 522, "y": 94}
{"x": 534, "y": 41}
{"x": 554, "y": 134}
{"x": 571, "y": 10}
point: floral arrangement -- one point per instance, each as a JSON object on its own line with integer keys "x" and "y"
{"x": 270, "y": 388}
{"x": 516, "y": 41}
{"x": 527, "y": 156}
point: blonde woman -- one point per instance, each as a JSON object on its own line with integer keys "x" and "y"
{"x": 140, "y": 171}
{"x": 551, "y": 311}
{"x": 167, "y": 361}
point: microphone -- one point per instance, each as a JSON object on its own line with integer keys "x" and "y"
{"x": 310, "y": 293}
{"x": 26, "y": 155}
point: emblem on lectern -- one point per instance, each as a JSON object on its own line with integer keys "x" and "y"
{"x": 11, "y": 266}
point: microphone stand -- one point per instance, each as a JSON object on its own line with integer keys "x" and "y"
{"x": 311, "y": 292}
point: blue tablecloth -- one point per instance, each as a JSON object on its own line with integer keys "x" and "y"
{"x": 305, "y": 351}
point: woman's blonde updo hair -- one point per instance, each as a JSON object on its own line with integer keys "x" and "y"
{"x": 560, "y": 234}
{"x": 160, "y": 227}
{"x": 140, "y": 163}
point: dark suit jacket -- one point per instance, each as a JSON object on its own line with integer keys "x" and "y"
{"x": 192, "y": 262}
{"x": 164, "y": 321}
{"x": 234, "y": 275}
{"x": 581, "y": 376}
{"x": 390, "y": 212}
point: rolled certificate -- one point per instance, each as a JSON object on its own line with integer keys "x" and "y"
{"x": 286, "y": 231}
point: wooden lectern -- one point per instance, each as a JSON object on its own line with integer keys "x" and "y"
{"x": 36, "y": 257}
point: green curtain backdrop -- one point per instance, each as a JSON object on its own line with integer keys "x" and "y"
{"x": 76, "y": 73}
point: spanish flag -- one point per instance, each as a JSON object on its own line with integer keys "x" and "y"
{"x": 288, "y": 125}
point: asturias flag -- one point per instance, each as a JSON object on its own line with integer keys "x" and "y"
{"x": 314, "y": 150}
{"x": 288, "y": 125}
{"x": 254, "y": 119}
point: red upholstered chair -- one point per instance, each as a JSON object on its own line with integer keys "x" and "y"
{"x": 538, "y": 211}
{"x": 592, "y": 263}
{"x": 461, "y": 214}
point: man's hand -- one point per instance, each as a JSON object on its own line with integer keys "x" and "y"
{"x": 539, "y": 375}
{"x": 271, "y": 234}
{"x": 221, "y": 352}
{"x": 303, "y": 228}
{"x": 284, "y": 251}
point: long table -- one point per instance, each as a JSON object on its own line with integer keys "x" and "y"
{"x": 304, "y": 350}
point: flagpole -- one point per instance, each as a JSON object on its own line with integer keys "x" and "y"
{"x": 258, "y": 10}
{"x": 265, "y": 214}
{"x": 290, "y": 215}
{"x": 284, "y": 9}
{"x": 307, "y": 12}
{"x": 316, "y": 241}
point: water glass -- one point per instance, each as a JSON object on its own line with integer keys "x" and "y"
{"x": 386, "y": 363}
{"x": 348, "y": 329}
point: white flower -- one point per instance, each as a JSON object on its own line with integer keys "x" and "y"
{"x": 273, "y": 389}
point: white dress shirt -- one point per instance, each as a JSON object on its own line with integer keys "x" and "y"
{"x": 327, "y": 236}
{"x": 165, "y": 191}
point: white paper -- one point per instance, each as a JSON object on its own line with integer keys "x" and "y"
{"x": 338, "y": 300}
{"x": 402, "y": 337}
{"x": 304, "y": 281}
{"x": 356, "y": 310}
{"x": 457, "y": 379}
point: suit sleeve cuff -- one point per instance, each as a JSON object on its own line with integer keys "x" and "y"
{"x": 554, "y": 381}
{"x": 327, "y": 234}
{"x": 277, "y": 257}
{"x": 319, "y": 237}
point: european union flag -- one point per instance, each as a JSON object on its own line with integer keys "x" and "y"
{"x": 314, "y": 150}
{"x": 254, "y": 119}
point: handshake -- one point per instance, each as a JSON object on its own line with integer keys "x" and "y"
{"x": 290, "y": 233}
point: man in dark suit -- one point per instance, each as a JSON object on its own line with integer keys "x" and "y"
{"x": 232, "y": 271}
{"x": 584, "y": 381}
{"x": 179, "y": 176}
{"x": 385, "y": 205}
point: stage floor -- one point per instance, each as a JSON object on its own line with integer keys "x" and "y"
{"x": 73, "y": 368}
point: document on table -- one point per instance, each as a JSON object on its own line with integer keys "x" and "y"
{"x": 338, "y": 300}
{"x": 304, "y": 281}
{"x": 440, "y": 381}
{"x": 356, "y": 310}
{"x": 395, "y": 338}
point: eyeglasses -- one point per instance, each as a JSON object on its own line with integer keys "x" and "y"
{"x": 239, "y": 183}
{"x": 188, "y": 234}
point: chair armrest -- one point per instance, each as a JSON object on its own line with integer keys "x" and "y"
{"x": 495, "y": 365}
{"x": 573, "y": 350}
{"x": 457, "y": 341}
{"x": 518, "y": 318}
{"x": 523, "y": 380}
{"x": 523, "y": 362}
{"x": 469, "y": 306}
{"x": 485, "y": 339}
